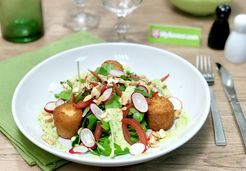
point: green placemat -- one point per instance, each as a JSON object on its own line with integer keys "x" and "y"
{"x": 11, "y": 72}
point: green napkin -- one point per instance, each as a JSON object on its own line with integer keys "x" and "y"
{"x": 11, "y": 72}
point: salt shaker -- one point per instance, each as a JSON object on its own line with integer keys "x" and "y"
{"x": 220, "y": 29}
{"x": 235, "y": 48}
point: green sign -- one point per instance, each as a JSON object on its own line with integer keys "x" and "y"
{"x": 174, "y": 35}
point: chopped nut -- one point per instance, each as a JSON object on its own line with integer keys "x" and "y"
{"x": 154, "y": 145}
{"x": 48, "y": 118}
{"x": 177, "y": 113}
{"x": 48, "y": 139}
{"x": 99, "y": 100}
{"x": 156, "y": 134}
{"x": 162, "y": 133}
{"x": 133, "y": 83}
{"x": 152, "y": 139}
{"x": 88, "y": 97}
{"x": 95, "y": 92}
{"x": 124, "y": 99}
{"x": 104, "y": 115}
{"x": 75, "y": 89}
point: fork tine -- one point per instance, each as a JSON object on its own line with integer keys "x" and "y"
{"x": 199, "y": 63}
{"x": 210, "y": 68}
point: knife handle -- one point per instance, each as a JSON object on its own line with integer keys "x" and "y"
{"x": 240, "y": 118}
{"x": 217, "y": 123}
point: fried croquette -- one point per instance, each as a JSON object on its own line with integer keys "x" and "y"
{"x": 116, "y": 64}
{"x": 160, "y": 114}
{"x": 67, "y": 120}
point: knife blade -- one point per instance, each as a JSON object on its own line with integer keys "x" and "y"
{"x": 230, "y": 91}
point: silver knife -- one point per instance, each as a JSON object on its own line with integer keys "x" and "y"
{"x": 232, "y": 97}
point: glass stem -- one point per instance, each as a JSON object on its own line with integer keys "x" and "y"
{"x": 80, "y": 6}
{"x": 121, "y": 28}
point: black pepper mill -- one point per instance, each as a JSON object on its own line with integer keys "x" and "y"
{"x": 220, "y": 29}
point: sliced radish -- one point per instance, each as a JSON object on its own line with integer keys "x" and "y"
{"x": 107, "y": 94}
{"x": 116, "y": 73}
{"x": 78, "y": 150}
{"x": 137, "y": 148}
{"x": 59, "y": 102}
{"x": 87, "y": 138}
{"x": 142, "y": 87}
{"x": 139, "y": 102}
{"x": 50, "y": 106}
{"x": 96, "y": 110}
{"x": 177, "y": 104}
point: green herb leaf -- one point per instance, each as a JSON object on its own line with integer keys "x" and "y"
{"x": 144, "y": 93}
{"x": 105, "y": 126}
{"x": 75, "y": 140}
{"x": 92, "y": 122}
{"x": 124, "y": 77}
{"x": 122, "y": 87}
{"x": 136, "y": 115}
{"x": 64, "y": 95}
{"x": 69, "y": 84}
{"x": 118, "y": 151}
{"x": 94, "y": 151}
{"x": 103, "y": 146}
{"x": 104, "y": 69}
{"x": 144, "y": 125}
{"x": 114, "y": 102}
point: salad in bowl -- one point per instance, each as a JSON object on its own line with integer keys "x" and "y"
{"x": 111, "y": 111}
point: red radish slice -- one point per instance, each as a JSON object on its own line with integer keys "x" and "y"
{"x": 137, "y": 148}
{"x": 139, "y": 102}
{"x": 107, "y": 94}
{"x": 96, "y": 110}
{"x": 87, "y": 138}
{"x": 177, "y": 104}
{"x": 116, "y": 73}
{"x": 78, "y": 150}
{"x": 142, "y": 87}
{"x": 59, "y": 102}
{"x": 50, "y": 106}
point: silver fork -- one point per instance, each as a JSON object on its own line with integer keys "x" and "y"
{"x": 203, "y": 63}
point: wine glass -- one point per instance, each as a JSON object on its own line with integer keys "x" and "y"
{"x": 121, "y": 8}
{"x": 80, "y": 20}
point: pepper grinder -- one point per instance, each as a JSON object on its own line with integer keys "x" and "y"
{"x": 235, "y": 47}
{"x": 220, "y": 29}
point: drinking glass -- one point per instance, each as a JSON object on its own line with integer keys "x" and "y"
{"x": 121, "y": 8}
{"x": 80, "y": 20}
{"x": 21, "y": 20}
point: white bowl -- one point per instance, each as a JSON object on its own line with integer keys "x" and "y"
{"x": 185, "y": 82}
